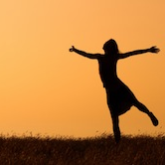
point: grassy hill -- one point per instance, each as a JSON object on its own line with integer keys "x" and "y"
{"x": 138, "y": 150}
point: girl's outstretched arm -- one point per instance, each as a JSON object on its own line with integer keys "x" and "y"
{"x": 136, "y": 52}
{"x": 89, "y": 55}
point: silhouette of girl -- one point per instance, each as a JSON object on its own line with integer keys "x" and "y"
{"x": 119, "y": 97}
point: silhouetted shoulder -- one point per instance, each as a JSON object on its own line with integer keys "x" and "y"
{"x": 98, "y": 55}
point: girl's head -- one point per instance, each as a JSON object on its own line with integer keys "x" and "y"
{"x": 111, "y": 47}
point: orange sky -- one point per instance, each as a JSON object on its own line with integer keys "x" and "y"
{"x": 46, "y": 89}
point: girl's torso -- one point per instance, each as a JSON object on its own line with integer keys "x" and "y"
{"x": 108, "y": 72}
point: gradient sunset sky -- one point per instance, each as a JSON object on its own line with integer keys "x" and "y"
{"x": 46, "y": 89}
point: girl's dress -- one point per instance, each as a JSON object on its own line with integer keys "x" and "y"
{"x": 119, "y": 97}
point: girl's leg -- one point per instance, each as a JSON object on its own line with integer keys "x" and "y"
{"x": 144, "y": 109}
{"x": 116, "y": 129}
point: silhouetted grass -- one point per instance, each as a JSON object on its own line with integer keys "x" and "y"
{"x": 139, "y": 150}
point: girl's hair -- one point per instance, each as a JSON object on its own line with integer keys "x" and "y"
{"x": 111, "y": 46}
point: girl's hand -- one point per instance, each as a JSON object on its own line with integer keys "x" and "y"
{"x": 154, "y": 49}
{"x": 72, "y": 49}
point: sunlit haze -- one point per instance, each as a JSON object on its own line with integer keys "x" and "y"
{"x": 46, "y": 89}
